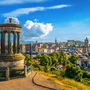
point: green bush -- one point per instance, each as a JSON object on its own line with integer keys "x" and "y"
{"x": 44, "y": 60}
{"x": 46, "y": 69}
{"x": 41, "y": 68}
{"x": 86, "y": 74}
{"x": 62, "y": 72}
{"x": 53, "y": 68}
{"x": 28, "y": 58}
{"x": 74, "y": 72}
{"x": 57, "y": 72}
{"x": 39, "y": 55}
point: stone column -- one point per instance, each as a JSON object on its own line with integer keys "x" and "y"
{"x": 8, "y": 42}
{"x": 14, "y": 42}
{"x": 1, "y": 42}
{"x": 18, "y": 42}
{"x": 7, "y": 73}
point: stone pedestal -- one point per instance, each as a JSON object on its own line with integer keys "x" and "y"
{"x": 7, "y": 73}
{"x": 11, "y": 60}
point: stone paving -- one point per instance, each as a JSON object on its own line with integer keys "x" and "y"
{"x": 34, "y": 81}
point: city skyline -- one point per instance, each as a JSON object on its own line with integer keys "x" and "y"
{"x": 45, "y": 20}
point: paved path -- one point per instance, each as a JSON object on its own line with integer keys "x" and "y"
{"x": 34, "y": 81}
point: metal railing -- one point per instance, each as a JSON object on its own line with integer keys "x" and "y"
{"x": 7, "y": 72}
{"x": 2, "y": 72}
{"x": 16, "y": 72}
{"x": 29, "y": 68}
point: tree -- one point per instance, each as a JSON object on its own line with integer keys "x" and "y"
{"x": 73, "y": 58}
{"x": 38, "y": 55}
{"x": 44, "y": 60}
{"x": 50, "y": 60}
{"x": 68, "y": 62}
{"x": 54, "y": 60}
{"x": 28, "y": 58}
{"x": 74, "y": 72}
{"x": 62, "y": 57}
{"x": 55, "y": 54}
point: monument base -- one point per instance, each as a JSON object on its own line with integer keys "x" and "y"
{"x": 11, "y": 60}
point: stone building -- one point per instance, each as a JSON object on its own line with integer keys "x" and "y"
{"x": 86, "y": 48}
{"x": 84, "y": 63}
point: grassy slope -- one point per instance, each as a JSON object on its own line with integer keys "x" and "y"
{"x": 67, "y": 84}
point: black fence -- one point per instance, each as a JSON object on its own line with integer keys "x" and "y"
{"x": 16, "y": 72}
{"x": 2, "y": 72}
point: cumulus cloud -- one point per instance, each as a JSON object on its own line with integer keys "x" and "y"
{"x": 34, "y": 30}
{"x": 2, "y": 2}
{"x": 21, "y": 11}
{"x": 14, "y": 20}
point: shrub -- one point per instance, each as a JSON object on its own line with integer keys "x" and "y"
{"x": 74, "y": 72}
{"x": 86, "y": 74}
{"x": 41, "y": 68}
{"x": 53, "y": 69}
{"x": 57, "y": 72}
{"x": 46, "y": 69}
{"x": 44, "y": 60}
{"x": 39, "y": 55}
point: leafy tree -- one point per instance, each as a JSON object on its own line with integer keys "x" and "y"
{"x": 74, "y": 72}
{"x": 53, "y": 68}
{"x": 38, "y": 55}
{"x": 46, "y": 69}
{"x": 44, "y": 60}
{"x": 54, "y": 60}
{"x": 50, "y": 60}
{"x": 68, "y": 62}
{"x": 86, "y": 74}
{"x": 62, "y": 57}
{"x": 73, "y": 58}
{"x": 28, "y": 58}
{"x": 55, "y": 54}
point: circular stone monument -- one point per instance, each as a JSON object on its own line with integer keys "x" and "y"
{"x": 15, "y": 58}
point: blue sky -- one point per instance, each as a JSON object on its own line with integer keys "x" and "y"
{"x": 45, "y": 20}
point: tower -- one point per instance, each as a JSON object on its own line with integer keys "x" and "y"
{"x": 55, "y": 40}
{"x": 86, "y": 42}
{"x": 36, "y": 42}
{"x": 15, "y": 58}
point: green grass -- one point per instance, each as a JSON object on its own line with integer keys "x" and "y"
{"x": 86, "y": 81}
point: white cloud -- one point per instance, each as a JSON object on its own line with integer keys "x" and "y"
{"x": 14, "y": 20}
{"x": 2, "y": 2}
{"x": 58, "y": 6}
{"x": 21, "y": 11}
{"x": 34, "y": 30}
